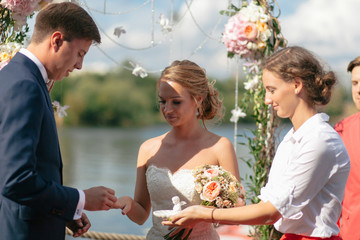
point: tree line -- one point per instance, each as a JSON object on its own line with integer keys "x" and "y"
{"x": 119, "y": 99}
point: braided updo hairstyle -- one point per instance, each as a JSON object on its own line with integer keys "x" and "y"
{"x": 192, "y": 77}
{"x": 292, "y": 62}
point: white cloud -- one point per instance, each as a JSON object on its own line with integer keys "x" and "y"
{"x": 326, "y": 27}
{"x": 329, "y": 28}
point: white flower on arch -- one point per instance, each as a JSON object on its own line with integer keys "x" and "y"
{"x": 252, "y": 83}
{"x": 236, "y": 114}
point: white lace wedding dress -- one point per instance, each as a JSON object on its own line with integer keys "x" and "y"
{"x": 162, "y": 186}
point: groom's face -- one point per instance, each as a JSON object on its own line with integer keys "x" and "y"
{"x": 69, "y": 56}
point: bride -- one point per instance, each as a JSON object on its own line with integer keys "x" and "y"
{"x": 165, "y": 163}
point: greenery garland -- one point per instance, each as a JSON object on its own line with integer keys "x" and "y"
{"x": 251, "y": 34}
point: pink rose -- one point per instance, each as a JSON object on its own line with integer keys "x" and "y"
{"x": 210, "y": 191}
{"x": 210, "y": 173}
{"x": 237, "y": 34}
{"x": 23, "y": 7}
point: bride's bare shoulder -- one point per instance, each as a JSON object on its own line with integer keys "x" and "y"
{"x": 152, "y": 144}
{"x": 149, "y": 148}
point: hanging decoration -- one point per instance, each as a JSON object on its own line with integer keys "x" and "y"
{"x": 251, "y": 34}
{"x": 118, "y": 31}
{"x": 166, "y": 23}
{"x": 138, "y": 70}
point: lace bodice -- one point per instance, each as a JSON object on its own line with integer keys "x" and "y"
{"x": 162, "y": 186}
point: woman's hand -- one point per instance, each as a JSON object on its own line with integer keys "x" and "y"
{"x": 125, "y": 203}
{"x": 189, "y": 217}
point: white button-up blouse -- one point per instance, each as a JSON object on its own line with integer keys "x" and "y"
{"x": 307, "y": 179}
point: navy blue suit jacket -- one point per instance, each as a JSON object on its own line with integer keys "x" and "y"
{"x": 33, "y": 202}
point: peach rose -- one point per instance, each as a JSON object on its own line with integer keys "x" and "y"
{"x": 210, "y": 191}
{"x": 250, "y": 31}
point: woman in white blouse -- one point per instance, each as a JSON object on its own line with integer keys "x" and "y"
{"x": 307, "y": 179}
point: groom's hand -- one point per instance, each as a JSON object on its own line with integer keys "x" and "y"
{"x": 79, "y": 226}
{"x": 99, "y": 198}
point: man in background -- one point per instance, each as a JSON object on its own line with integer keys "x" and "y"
{"x": 349, "y": 130}
{"x": 34, "y": 205}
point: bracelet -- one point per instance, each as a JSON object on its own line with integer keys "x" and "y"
{"x": 216, "y": 224}
{"x": 212, "y": 215}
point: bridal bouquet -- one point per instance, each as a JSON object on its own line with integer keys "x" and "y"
{"x": 217, "y": 187}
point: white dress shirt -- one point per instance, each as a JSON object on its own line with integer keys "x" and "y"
{"x": 27, "y": 53}
{"x": 307, "y": 179}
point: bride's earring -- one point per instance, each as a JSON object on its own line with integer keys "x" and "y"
{"x": 197, "y": 112}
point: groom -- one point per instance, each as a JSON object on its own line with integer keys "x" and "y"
{"x": 33, "y": 202}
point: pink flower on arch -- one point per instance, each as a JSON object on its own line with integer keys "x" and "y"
{"x": 238, "y": 32}
{"x": 21, "y": 7}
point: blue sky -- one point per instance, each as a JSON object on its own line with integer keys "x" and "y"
{"x": 329, "y": 28}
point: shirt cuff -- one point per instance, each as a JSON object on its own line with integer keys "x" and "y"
{"x": 80, "y": 205}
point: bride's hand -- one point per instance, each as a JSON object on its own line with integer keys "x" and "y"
{"x": 189, "y": 217}
{"x": 125, "y": 203}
